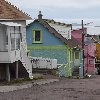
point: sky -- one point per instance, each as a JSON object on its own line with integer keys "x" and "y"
{"x": 72, "y": 11}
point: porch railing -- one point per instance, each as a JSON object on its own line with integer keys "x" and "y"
{"x": 26, "y": 61}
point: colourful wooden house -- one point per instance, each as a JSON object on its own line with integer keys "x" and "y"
{"x": 96, "y": 39}
{"x": 97, "y": 58}
{"x": 14, "y": 62}
{"x": 97, "y": 52}
{"x": 50, "y": 39}
{"x": 89, "y": 55}
{"x": 89, "y": 51}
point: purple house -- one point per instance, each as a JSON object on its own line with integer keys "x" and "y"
{"x": 89, "y": 51}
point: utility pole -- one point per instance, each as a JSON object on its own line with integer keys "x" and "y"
{"x": 83, "y": 44}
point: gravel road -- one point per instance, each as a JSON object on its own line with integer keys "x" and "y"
{"x": 65, "y": 89}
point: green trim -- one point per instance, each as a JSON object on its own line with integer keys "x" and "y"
{"x": 67, "y": 70}
{"x": 33, "y": 33}
{"x": 71, "y": 55}
{"x": 47, "y": 47}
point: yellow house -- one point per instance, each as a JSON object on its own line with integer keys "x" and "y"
{"x": 97, "y": 52}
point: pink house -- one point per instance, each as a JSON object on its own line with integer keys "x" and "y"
{"x": 89, "y": 55}
{"x": 77, "y": 34}
{"x": 89, "y": 51}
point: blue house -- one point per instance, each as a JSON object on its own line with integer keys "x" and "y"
{"x": 49, "y": 39}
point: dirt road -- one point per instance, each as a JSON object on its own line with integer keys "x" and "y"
{"x": 65, "y": 89}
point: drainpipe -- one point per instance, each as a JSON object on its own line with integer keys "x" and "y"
{"x": 87, "y": 58}
{"x": 83, "y": 44}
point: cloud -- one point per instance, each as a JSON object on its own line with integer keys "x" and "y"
{"x": 60, "y": 8}
{"x": 59, "y": 3}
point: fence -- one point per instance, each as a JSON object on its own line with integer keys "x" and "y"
{"x": 39, "y": 62}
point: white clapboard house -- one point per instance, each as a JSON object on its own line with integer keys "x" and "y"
{"x": 14, "y": 62}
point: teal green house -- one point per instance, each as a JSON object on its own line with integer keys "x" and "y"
{"x": 50, "y": 39}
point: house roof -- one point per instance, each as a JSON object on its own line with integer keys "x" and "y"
{"x": 70, "y": 42}
{"x": 61, "y": 28}
{"x": 10, "y": 24}
{"x": 9, "y": 11}
{"x": 95, "y": 38}
{"x": 88, "y": 40}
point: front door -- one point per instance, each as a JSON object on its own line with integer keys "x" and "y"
{"x": 76, "y": 58}
{"x": 15, "y": 44}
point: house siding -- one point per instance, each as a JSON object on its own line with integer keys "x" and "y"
{"x": 89, "y": 59}
{"x": 77, "y": 34}
{"x": 59, "y": 54}
{"x": 48, "y": 39}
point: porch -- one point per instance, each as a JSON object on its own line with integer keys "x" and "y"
{"x": 12, "y": 49}
{"x": 10, "y": 38}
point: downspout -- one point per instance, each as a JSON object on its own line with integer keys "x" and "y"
{"x": 87, "y": 58}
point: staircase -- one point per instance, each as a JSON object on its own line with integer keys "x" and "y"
{"x": 26, "y": 62}
{"x": 75, "y": 71}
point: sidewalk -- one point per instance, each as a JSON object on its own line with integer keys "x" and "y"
{"x": 18, "y": 87}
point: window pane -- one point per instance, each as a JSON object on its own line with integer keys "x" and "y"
{"x": 12, "y": 29}
{"x": 17, "y": 43}
{"x": 37, "y": 35}
{"x": 12, "y": 43}
{"x": 17, "y": 30}
{"x": 77, "y": 55}
{"x": 6, "y": 38}
{"x": 17, "y": 35}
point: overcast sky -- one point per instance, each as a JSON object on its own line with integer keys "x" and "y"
{"x": 61, "y": 9}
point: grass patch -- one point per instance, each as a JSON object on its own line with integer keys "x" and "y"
{"x": 21, "y": 80}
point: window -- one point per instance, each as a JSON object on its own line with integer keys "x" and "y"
{"x": 15, "y": 38}
{"x": 91, "y": 62}
{"x": 12, "y": 41}
{"x": 6, "y": 36}
{"x": 18, "y": 42}
{"x": 37, "y": 36}
{"x": 77, "y": 55}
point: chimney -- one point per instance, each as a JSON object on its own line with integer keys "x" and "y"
{"x": 40, "y": 16}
